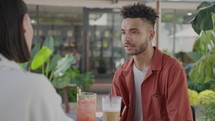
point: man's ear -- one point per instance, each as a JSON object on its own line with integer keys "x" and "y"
{"x": 151, "y": 35}
{"x": 25, "y": 22}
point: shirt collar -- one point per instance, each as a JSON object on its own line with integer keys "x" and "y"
{"x": 156, "y": 62}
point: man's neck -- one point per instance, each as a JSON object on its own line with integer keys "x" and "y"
{"x": 143, "y": 60}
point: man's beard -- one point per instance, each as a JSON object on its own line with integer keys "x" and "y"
{"x": 141, "y": 48}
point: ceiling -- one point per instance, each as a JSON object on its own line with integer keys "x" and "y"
{"x": 109, "y": 3}
{"x": 56, "y": 13}
{"x": 71, "y": 11}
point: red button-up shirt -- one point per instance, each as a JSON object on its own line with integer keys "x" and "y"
{"x": 164, "y": 90}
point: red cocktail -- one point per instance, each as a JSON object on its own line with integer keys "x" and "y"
{"x": 86, "y": 106}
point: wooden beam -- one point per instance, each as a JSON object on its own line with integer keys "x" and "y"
{"x": 158, "y": 21}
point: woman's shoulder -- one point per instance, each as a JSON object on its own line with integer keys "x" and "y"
{"x": 37, "y": 81}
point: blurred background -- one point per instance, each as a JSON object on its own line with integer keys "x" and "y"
{"x": 93, "y": 27}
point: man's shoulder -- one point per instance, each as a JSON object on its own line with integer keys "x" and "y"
{"x": 127, "y": 64}
{"x": 124, "y": 68}
{"x": 169, "y": 61}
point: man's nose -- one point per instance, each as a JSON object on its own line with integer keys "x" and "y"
{"x": 127, "y": 37}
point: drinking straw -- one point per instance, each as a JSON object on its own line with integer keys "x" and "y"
{"x": 78, "y": 90}
{"x": 110, "y": 97}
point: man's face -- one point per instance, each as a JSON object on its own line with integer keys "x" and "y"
{"x": 135, "y": 35}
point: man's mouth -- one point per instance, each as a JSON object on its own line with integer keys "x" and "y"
{"x": 128, "y": 46}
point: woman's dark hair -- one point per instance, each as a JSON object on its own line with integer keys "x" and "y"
{"x": 12, "y": 41}
{"x": 139, "y": 10}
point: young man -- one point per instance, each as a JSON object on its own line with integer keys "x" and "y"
{"x": 152, "y": 84}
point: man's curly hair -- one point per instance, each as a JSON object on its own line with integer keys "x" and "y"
{"x": 139, "y": 10}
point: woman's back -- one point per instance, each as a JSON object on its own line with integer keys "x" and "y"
{"x": 27, "y": 96}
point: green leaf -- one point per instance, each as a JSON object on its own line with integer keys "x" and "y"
{"x": 203, "y": 20}
{"x": 197, "y": 72}
{"x": 63, "y": 64}
{"x": 24, "y": 66}
{"x": 40, "y": 58}
{"x": 208, "y": 72}
{"x": 203, "y": 4}
{"x": 202, "y": 71}
{"x": 53, "y": 62}
{"x": 211, "y": 58}
{"x": 49, "y": 42}
{"x": 61, "y": 82}
{"x": 87, "y": 79}
{"x": 206, "y": 39}
{"x": 210, "y": 111}
{"x": 35, "y": 49}
{"x": 213, "y": 49}
{"x": 195, "y": 28}
{"x": 194, "y": 56}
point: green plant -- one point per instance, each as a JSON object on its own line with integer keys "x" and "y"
{"x": 193, "y": 97}
{"x": 202, "y": 74}
{"x": 210, "y": 112}
{"x": 57, "y": 69}
{"x": 72, "y": 94}
{"x": 83, "y": 80}
{"x": 204, "y": 103}
{"x": 200, "y": 86}
{"x": 203, "y": 24}
{"x": 54, "y": 67}
{"x": 204, "y": 20}
{"x": 207, "y": 99}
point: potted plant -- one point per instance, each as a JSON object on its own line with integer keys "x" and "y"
{"x": 202, "y": 72}
{"x": 203, "y": 24}
{"x": 57, "y": 68}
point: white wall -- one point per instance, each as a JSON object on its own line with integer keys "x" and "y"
{"x": 185, "y": 37}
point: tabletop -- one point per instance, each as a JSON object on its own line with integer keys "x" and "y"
{"x": 73, "y": 116}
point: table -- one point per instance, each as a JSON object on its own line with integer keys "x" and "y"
{"x": 73, "y": 116}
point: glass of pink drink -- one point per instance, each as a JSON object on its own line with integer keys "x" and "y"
{"x": 86, "y": 106}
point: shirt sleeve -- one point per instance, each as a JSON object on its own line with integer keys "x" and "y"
{"x": 115, "y": 91}
{"x": 178, "y": 106}
{"x": 45, "y": 103}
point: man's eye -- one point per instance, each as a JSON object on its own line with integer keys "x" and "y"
{"x": 122, "y": 32}
{"x": 134, "y": 32}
